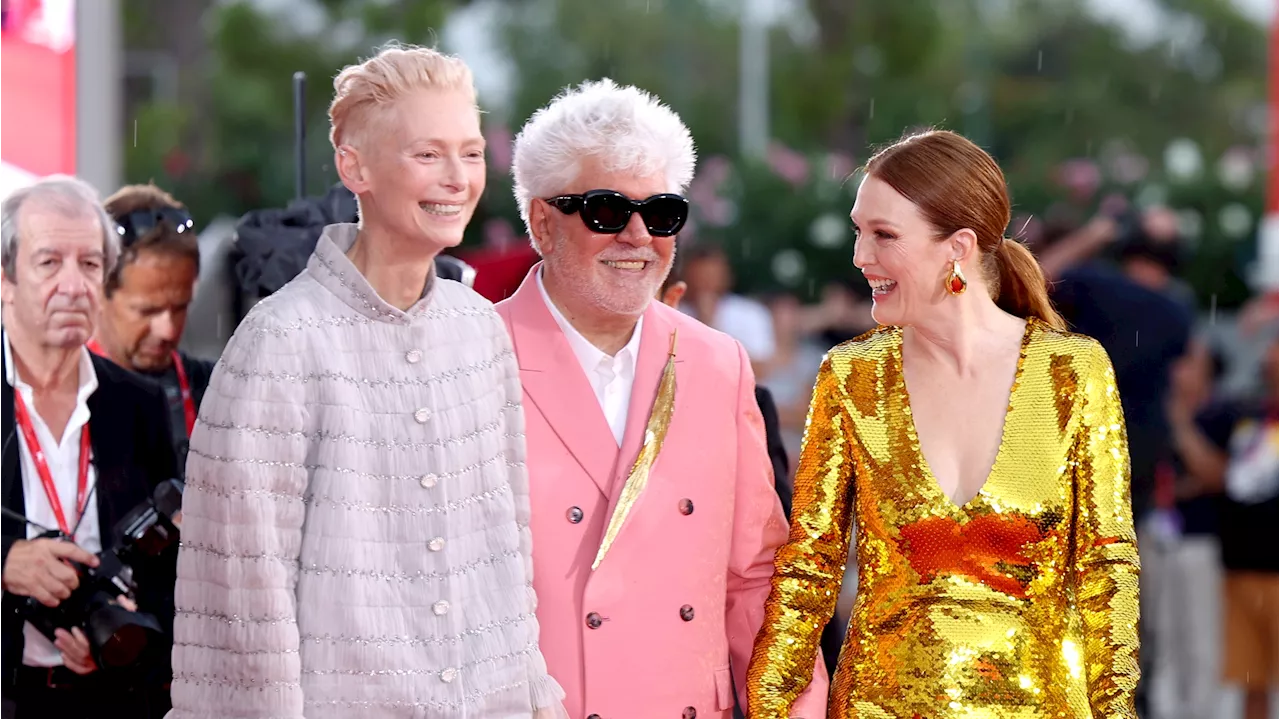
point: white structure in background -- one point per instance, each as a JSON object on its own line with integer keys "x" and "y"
{"x": 100, "y": 94}
{"x": 13, "y": 177}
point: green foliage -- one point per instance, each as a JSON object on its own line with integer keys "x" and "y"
{"x": 1037, "y": 82}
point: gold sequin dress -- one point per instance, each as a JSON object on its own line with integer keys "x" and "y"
{"x": 1023, "y": 603}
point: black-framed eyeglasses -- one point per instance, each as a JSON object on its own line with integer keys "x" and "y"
{"x": 138, "y": 223}
{"x": 609, "y": 211}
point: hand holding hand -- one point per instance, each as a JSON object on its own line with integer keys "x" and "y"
{"x": 39, "y": 568}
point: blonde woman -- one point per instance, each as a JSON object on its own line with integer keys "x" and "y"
{"x": 356, "y": 536}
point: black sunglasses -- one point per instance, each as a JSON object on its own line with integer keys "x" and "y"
{"x": 608, "y": 211}
{"x": 138, "y": 223}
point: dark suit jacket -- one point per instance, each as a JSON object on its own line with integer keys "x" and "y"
{"x": 777, "y": 451}
{"x": 132, "y": 453}
{"x": 198, "y": 374}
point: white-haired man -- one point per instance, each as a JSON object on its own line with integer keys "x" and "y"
{"x": 356, "y": 534}
{"x": 654, "y": 512}
{"x": 85, "y": 443}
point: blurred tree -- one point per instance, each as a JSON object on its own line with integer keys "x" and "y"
{"x": 225, "y": 144}
{"x": 1038, "y": 82}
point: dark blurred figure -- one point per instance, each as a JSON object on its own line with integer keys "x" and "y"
{"x": 1184, "y": 608}
{"x": 1139, "y": 312}
{"x": 1246, "y": 464}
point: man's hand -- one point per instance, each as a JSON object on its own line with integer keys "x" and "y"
{"x": 74, "y": 646}
{"x": 39, "y": 568}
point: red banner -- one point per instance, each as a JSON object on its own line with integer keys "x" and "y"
{"x": 38, "y": 88}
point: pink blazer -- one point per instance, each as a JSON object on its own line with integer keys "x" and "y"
{"x": 663, "y": 628}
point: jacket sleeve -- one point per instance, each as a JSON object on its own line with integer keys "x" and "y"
{"x": 236, "y": 633}
{"x": 810, "y": 566}
{"x": 759, "y": 528}
{"x": 155, "y": 589}
{"x": 1106, "y": 548}
{"x": 545, "y": 692}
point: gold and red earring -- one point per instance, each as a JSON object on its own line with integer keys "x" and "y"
{"x": 956, "y": 283}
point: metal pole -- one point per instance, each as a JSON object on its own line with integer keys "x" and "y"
{"x": 300, "y": 134}
{"x": 1267, "y": 266}
{"x": 99, "y": 112}
{"x": 753, "y": 81}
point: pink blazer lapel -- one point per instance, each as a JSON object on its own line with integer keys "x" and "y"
{"x": 555, "y": 383}
{"x": 655, "y": 342}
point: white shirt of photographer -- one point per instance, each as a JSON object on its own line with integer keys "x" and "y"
{"x": 63, "y": 458}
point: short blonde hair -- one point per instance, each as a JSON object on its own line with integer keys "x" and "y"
{"x": 380, "y": 80}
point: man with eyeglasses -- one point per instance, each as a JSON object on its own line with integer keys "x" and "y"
{"x": 654, "y": 515}
{"x": 146, "y": 298}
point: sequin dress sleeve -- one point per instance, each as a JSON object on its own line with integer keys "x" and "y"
{"x": 809, "y": 567}
{"x": 1106, "y": 549}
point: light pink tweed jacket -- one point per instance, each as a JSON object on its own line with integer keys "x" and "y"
{"x": 355, "y": 530}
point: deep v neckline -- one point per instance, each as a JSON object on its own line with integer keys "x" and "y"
{"x": 929, "y": 478}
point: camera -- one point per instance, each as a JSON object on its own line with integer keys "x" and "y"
{"x": 117, "y": 636}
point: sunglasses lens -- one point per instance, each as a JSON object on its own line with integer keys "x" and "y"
{"x": 606, "y": 213}
{"x": 664, "y": 216}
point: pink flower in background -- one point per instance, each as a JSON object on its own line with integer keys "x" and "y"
{"x": 839, "y": 166}
{"x": 788, "y": 164}
{"x": 1081, "y": 177}
{"x": 498, "y": 141}
{"x": 704, "y": 193}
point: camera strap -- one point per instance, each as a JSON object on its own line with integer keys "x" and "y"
{"x": 23, "y": 420}
{"x": 184, "y": 386}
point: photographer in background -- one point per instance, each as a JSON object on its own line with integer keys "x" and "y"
{"x": 85, "y": 443}
{"x": 146, "y": 296}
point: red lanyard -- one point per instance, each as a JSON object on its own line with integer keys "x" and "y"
{"x": 42, "y": 466}
{"x": 184, "y": 387}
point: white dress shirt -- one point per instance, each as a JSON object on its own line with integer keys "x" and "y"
{"x": 63, "y": 459}
{"x": 611, "y": 377}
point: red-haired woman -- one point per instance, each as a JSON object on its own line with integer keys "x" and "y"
{"x": 979, "y": 450}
